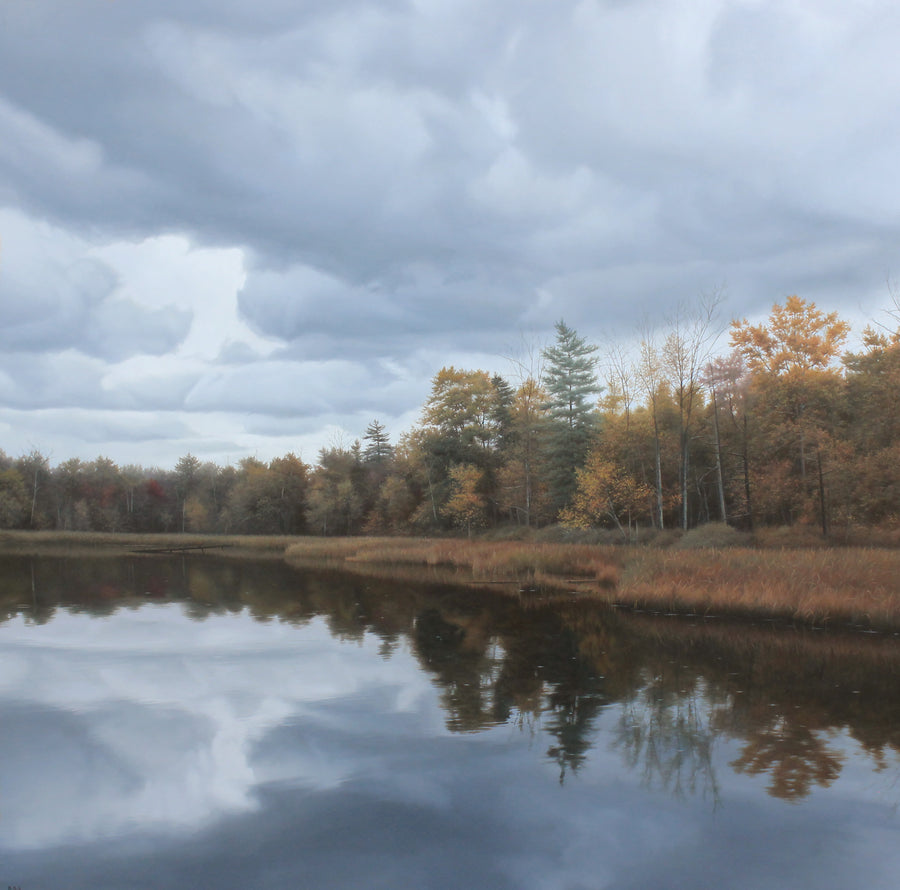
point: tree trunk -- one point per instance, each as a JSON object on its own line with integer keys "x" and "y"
{"x": 719, "y": 478}
{"x": 34, "y": 492}
{"x": 746, "y": 459}
{"x": 659, "y": 491}
{"x": 822, "y": 494}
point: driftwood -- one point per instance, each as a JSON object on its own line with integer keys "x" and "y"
{"x": 181, "y": 548}
{"x": 519, "y": 581}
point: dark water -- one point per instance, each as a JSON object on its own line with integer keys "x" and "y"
{"x": 215, "y": 724}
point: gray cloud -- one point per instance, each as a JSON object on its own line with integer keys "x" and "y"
{"x": 72, "y": 380}
{"x": 406, "y": 179}
{"x": 299, "y": 389}
{"x": 326, "y": 316}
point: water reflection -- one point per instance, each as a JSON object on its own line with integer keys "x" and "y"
{"x": 669, "y": 739}
{"x": 215, "y": 697}
{"x": 678, "y": 687}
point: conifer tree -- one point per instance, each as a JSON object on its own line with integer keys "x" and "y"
{"x": 378, "y": 444}
{"x": 570, "y": 380}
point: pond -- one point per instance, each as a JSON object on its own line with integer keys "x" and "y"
{"x": 210, "y": 723}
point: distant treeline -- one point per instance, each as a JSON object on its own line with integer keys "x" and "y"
{"x": 784, "y": 428}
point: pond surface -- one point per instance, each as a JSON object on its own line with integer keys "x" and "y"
{"x": 216, "y": 724}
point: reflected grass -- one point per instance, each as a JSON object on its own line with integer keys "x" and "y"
{"x": 825, "y": 586}
{"x": 97, "y": 544}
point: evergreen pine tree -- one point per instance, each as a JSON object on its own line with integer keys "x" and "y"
{"x": 501, "y": 411}
{"x": 378, "y": 445}
{"x": 570, "y": 380}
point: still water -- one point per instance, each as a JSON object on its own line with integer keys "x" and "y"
{"x": 221, "y": 724}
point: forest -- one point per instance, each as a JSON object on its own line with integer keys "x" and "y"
{"x": 784, "y": 427}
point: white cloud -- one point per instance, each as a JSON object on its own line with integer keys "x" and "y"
{"x": 194, "y": 688}
{"x": 167, "y": 273}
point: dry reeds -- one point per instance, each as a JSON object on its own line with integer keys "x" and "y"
{"x": 852, "y": 585}
{"x": 813, "y": 586}
{"x": 519, "y": 564}
{"x": 849, "y": 585}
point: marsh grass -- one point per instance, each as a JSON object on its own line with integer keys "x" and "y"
{"x": 814, "y": 586}
{"x": 520, "y": 563}
{"x": 858, "y": 586}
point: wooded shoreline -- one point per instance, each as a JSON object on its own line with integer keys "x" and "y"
{"x": 831, "y": 587}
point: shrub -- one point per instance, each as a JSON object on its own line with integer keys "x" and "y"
{"x": 713, "y": 535}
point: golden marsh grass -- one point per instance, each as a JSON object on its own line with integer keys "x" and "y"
{"x": 824, "y": 586}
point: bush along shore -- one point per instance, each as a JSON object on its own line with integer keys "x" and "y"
{"x": 833, "y": 587}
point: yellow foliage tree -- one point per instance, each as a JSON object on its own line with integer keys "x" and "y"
{"x": 606, "y": 490}
{"x": 466, "y": 505}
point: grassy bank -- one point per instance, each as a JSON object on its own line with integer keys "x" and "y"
{"x": 823, "y": 586}
{"x": 857, "y": 586}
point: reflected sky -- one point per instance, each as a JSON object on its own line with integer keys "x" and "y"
{"x": 148, "y": 717}
{"x": 144, "y": 749}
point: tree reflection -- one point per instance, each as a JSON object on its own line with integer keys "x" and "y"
{"x": 669, "y": 737}
{"x": 572, "y": 725}
{"x": 794, "y": 757}
{"x": 551, "y": 667}
{"x": 465, "y": 672}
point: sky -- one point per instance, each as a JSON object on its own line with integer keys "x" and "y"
{"x": 238, "y": 228}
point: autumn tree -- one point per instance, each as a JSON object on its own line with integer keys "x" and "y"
{"x": 14, "y": 507}
{"x": 464, "y": 421}
{"x": 522, "y": 487}
{"x": 34, "y": 468}
{"x": 466, "y": 505}
{"x": 186, "y": 471}
{"x": 335, "y": 503}
{"x": 727, "y": 382}
{"x": 464, "y": 408}
{"x": 606, "y": 491}
{"x": 798, "y": 340}
{"x": 871, "y": 427}
{"x": 692, "y": 333}
{"x": 397, "y": 501}
{"x": 289, "y": 484}
{"x": 104, "y": 500}
{"x": 68, "y": 478}
{"x": 792, "y": 362}
{"x": 651, "y": 379}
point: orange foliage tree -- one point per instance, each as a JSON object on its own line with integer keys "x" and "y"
{"x": 797, "y": 387}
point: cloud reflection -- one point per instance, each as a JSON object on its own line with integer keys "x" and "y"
{"x": 145, "y": 748}
{"x": 146, "y": 718}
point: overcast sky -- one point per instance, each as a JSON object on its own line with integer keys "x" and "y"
{"x": 246, "y": 228}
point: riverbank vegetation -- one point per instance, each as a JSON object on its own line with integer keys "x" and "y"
{"x": 846, "y": 586}
{"x": 833, "y": 587}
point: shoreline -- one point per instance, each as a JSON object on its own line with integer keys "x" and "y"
{"x": 854, "y": 587}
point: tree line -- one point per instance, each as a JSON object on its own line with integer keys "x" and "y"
{"x": 783, "y": 427}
